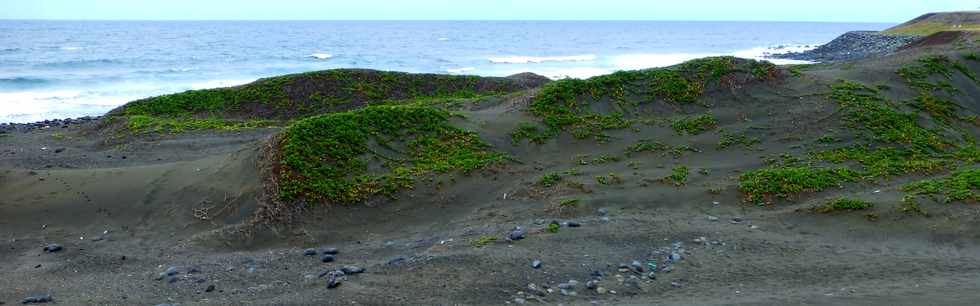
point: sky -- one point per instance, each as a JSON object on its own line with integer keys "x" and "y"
{"x": 891, "y": 11}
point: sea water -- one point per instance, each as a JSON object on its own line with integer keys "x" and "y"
{"x": 62, "y": 69}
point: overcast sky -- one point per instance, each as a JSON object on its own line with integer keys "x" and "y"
{"x": 769, "y": 10}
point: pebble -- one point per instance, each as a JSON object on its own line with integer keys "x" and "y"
{"x": 636, "y": 266}
{"x": 652, "y": 275}
{"x": 712, "y": 218}
{"x": 567, "y": 292}
{"x": 601, "y": 290}
{"x": 54, "y": 247}
{"x": 675, "y": 284}
{"x": 397, "y": 261}
{"x": 592, "y": 284}
{"x": 37, "y": 299}
{"x": 602, "y": 211}
{"x": 352, "y": 269}
{"x": 210, "y": 288}
{"x": 170, "y": 271}
{"x": 331, "y": 251}
{"x": 520, "y": 301}
{"x": 675, "y": 256}
{"x": 336, "y": 277}
{"x": 604, "y": 219}
{"x": 327, "y": 258}
{"x": 309, "y": 252}
{"x": 536, "y": 264}
{"x": 517, "y": 234}
{"x": 565, "y": 286}
{"x": 574, "y": 224}
{"x": 533, "y": 289}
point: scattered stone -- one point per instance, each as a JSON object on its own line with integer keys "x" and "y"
{"x": 309, "y": 252}
{"x": 601, "y": 290}
{"x": 536, "y": 264}
{"x": 327, "y": 258}
{"x": 675, "y": 284}
{"x": 652, "y": 275}
{"x": 574, "y": 224}
{"x": 712, "y": 218}
{"x": 602, "y": 212}
{"x": 604, "y": 219}
{"x": 533, "y": 289}
{"x": 851, "y": 46}
{"x": 565, "y": 286}
{"x": 636, "y": 266}
{"x": 39, "y": 299}
{"x": 336, "y": 277}
{"x": 209, "y": 289}
{"x": 170, "y": 271}
{"x": 59, "y": 150}
{"x": 397, "y": 261}
{"x": 331, "y": 251}
{"x": 567, "y": 292}
{"x": 193, "y": 270}
{"x": 352, "y": 269}
{"x": 517, "y": 234}
{"x": 592, "y": 284}
{"x": 667, "y": 269}
{"x": 520, "y": 301}
{"x": 54, "y": 247}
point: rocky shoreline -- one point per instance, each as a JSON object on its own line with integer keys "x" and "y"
{"x": 852, "y": 46}
{"x": 62, "y": 123}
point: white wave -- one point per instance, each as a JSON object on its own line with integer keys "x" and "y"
{"x": 321, "y": 56}
{"x": 765, "y": 53}
{"x": 443, "y": 39}
{"x": 644, "y": 61}
{"x": 460, "y": 70}
{"x": 70, "y": 48}
{"x": 536, "y": 60}
{"x": 218, "y": 83}
{"x": 32, "y": 106}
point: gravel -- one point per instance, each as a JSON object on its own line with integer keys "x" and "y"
{"x": 852, "y": 46}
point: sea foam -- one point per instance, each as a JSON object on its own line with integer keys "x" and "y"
{"x": 321, "y": 56}
{"x": 536, "y": 60}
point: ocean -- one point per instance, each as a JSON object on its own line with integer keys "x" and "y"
{"x": 65, "y": 69}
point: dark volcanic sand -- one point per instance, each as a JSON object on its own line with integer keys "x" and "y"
{"x": 177, "y": 201}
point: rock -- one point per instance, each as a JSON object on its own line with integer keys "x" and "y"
{"x": 667, "y": 269}
{"x": 209, "y": 289}
{"x": 39, "y": 299}
{"x": 675, "y": 257}
{"x": 520, "y": 301}
{"x": 309, "y": 252}
{"x": 536, "y": 264}
{"x": 352, "y": 269}
{"x": 601, "y": 290}
{"x": 565, "y": 286}
{"x": 331, "y": 251}
{"x": 604, "y": 219}
{"x": 574, "y": 224}
{"x": 193, "y": 270}
{"x": 602, "y": 212}
{"x": 851, "y": 46}
{"x": 652, "y": 275}
{"x": 517, "y": 234}
{"x": 59, "y": 150}
{"x": 170, "y": 271}
{"x": 397, "y": 261}
{"x": 636, "y": 266}
{"x": 54, "y": 247}
{"x": 592, "y": 284}
{"x": 327, "y": 258}
{"x": 712, "y": 218}
{"x": 336, "y": 277}
{"x": 533, "y": 289}
{"x": 675, "y": 284}
{"x": 567, "y": 292}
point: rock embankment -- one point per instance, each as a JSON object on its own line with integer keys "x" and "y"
{"x": 852, "y": 46}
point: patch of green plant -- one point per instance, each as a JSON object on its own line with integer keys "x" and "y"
{"x": 325, "y": 158}
{"x": 549, "y": 180}
{"x": 842, "y": 204}
{"x": 910, "y": 206}
{"x": 886, "y": 161}
{"x": 565, "y": 105}
{"x": 571, "y": 171}
{"x": 568, "y": 202}
{"x": 482, "y": 241}
{"x": 730, "y": 139}
{"x": 678, "y": 176}
{"x": 656, "y": 146}
{"x": 532, "y": 133}
{"x": 963, "y": 185}
{"x": 920, "y": 75}
{"x": 973, "y": 56}
{"x": 827, "y": 139}
{"x": 864, "y": 108}
{"x": 694, "y": 125}
{"x": 601, "y": 159}
{"x": 761, "y": 185}
{"x": 147, "y": 124}
{"x": 553, "y": 227}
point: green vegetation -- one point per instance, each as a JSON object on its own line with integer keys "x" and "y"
{"x": 553, "y": 227}
{"x": 656, "y": 146}
{"x": 729, "y": 139}
{"x": 566, "y": 105}
{"x": 760, "y": 185}
{"x": 864, "y": 108}
{"x": 549, "y": 180}
{"x": 531, "y": 132}
{"x": 827, "y": 139}
{"x": 482, "y": 241}
{"x": 962, "y": 185}
{"x": 678, "y": 176}
{"x": 841, "y": 204}
{"x": 568, "y": 203}
{"x": 146, "y": 124}
{"x": 323, "y": 158}
{"x": 886, "y": 161}
{"x": 929, "y": 28}
{"x": 694, "y": 125}
{"x": 973, "y": 56}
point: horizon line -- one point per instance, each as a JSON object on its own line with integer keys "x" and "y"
{"x": 450, "y": 20}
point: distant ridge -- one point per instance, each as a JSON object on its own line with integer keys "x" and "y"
{"x": 932, "y": 23}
